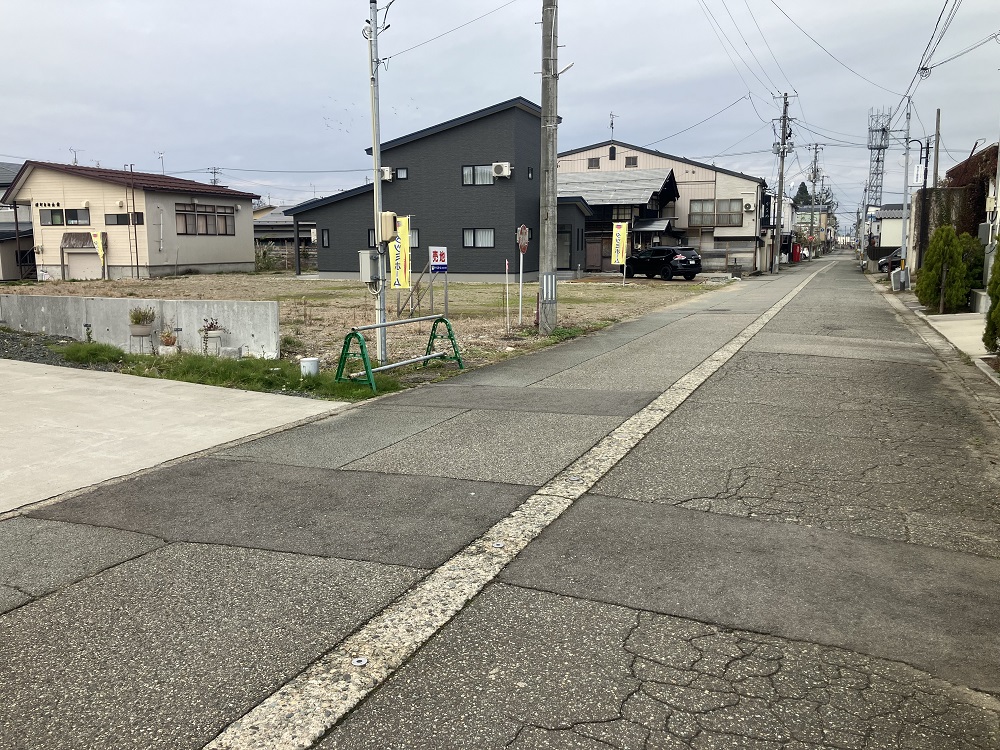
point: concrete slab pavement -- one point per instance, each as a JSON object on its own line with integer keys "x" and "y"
{"x": 964, "y": 330}
{"x": 65, "y": 428}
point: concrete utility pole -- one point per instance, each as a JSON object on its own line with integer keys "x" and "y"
{"x": 776, "y": 245}
{"x": 371, "y": 33}
{"x": 813, "y": 176}
{"x": 903, "y": 263}
{"x": 550, "y": 181}
{"x": 937, "y": 146}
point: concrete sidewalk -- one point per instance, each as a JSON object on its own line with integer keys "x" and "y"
{"x": 66, "y": 428}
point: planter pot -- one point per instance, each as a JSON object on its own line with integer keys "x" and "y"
{"x": 213, "y": 334}
{"x": 309, "y": 366}
{"x": 167, "y": 351}
{"x": 137, "y": 329}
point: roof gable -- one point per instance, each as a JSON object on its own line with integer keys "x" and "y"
{"x": 634, "y": 187}
{"x": 622, "y": 147}
{"x": 517, "y": 103}
{"x": 143, "y": 180}
{"x": 328, "y": 200}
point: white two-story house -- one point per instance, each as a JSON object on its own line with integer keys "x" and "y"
{"x": 93, "y": 223}
{"x": 719, "y": 211}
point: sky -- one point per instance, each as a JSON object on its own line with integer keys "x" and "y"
{"x": 276, "y": 95}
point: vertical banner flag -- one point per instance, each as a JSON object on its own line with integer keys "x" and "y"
{"x": 619, "y": 243}
{"x": 99, "y": 244}
{"x": 399, "y": 255}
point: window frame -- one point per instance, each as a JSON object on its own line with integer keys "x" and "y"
{"x": 476, "y": 235}
{"x": 631, "y": 162}
{"x": 77, "y": 221}
{"x": 48, "y": 213}
{"x": 472, "y": 178}
{"x": 707, "y": 217}
{"x": 324, "y": 237}
{"x": 402, "y": 173}
{"x": 594, "y": 162}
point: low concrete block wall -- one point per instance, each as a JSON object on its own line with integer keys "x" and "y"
{"x": 980, "y": 301}
{"x": 253, "y": 325}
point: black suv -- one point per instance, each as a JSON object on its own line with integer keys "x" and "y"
{"x": 892, "y": 261}
{"x": 666, "y": 262}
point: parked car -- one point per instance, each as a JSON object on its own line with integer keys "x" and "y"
{"x": 665, "y": 262}
{"x": 892, "y": 261}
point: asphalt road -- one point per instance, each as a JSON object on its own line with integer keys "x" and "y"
{"x": 768, "y": 518}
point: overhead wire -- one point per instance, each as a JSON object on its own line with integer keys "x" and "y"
{"x": 712, "y": 22}
{"x": 768, "y": 45}
{"x": 831, "y": 55}
{"x": 753, "y": 54}
{"x": 730, "y": 106}
{"x": 446, "y": 33}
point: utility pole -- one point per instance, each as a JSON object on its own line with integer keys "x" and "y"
{"x": 782, "y": 150}
{"x": 215, "y": 175}
{"x": 371, "y": 32}
{"x": 813, "y": 176}
{"x": 937, "y": 146}
{"x": 549, "y": 188}
{"x": 906, "y": 188}
{"x": 159, "y": 155}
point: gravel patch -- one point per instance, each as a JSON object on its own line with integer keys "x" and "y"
{"x": 34, "y": 347}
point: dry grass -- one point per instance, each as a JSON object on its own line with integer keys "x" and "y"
{"x": 316, "y": 314}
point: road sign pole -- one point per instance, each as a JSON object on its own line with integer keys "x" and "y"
{"x": 520, "y": 287}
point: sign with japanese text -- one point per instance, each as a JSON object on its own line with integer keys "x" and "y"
{"x": 619, "y": 243}
{"x": 399, "y": 255}
{"x": 439, "y": 259}
{"x": 98, "y": 243}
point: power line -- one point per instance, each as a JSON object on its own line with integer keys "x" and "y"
{"x": 834, "y": 57}
{"x": 774, "y": 87}
{"x": 450, "y": 31}
{"x": 711, "y": 18}
{"x": 730, "y": 106}
{"x": 768, "y": 45}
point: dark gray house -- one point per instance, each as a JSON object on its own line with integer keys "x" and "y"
{"x": 467, "y": 185}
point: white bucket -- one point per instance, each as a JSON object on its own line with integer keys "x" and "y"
{"x": 310, "y": 366}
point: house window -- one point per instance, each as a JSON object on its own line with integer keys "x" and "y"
{"x": 621, "y": 213}
{"x": 50, "y": 217}
{"x": 702, "y": 214}
{"x": 137, "y": 217}
{"x": 531, "y": 173}
{"x": 414, "y": 237}
{"x": 477, "y": 238}
{"x": 401, "y": 173}
{"x": 594, "y": 163}
{"x": 194, "y": 218}
{"x": 478, "y": 175}
{"x": 113, "y": 220}
{"x": 325, "y": 237}
{"x": 78, "y": 217}
{"x": 729, "y": 213}
{"x": 612, "y": 154}
{"x": 631, "y": 161}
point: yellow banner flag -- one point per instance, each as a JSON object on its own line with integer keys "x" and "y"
{"x": 399, "y": 255}
{"x": 98, "y": 243}
{"x": 619, "y": 243}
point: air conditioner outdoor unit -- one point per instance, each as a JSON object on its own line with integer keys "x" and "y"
{"x": 501, "y": 169}
{"x": 748, "y": 207}
{"x": 386, "y": 174}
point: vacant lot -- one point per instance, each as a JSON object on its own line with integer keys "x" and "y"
{"x": 316, "y": 314}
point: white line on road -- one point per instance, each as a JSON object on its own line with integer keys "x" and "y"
{"x": 302, "y": 711}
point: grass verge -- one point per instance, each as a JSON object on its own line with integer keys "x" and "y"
{"x": 264, "y": 375}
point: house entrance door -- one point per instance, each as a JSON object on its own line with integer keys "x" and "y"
{"x": 563, "y": 250}
{"x": 594, "y": 254}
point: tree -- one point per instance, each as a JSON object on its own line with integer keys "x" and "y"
{"x": 802, "y": 196}
{"x": 991, "y": 337}
{"x": 974, "y": 257}
{"x": 945, "y": 249}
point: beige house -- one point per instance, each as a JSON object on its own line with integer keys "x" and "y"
{"x": 717, "y": 210}
{"x": 92, "y": 223}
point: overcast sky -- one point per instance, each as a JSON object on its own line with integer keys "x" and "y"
{"x": 278, "y": 89}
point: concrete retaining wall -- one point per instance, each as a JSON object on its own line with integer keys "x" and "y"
{"x": 980, "y": 301}
{"x": 253, "y": 325}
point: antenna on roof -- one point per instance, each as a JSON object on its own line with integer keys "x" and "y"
{"x": 612, "y": 125}
{"x": 75, "y": 150}
{"x": 159, "y": 155}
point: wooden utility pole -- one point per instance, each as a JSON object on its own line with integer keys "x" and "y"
{"x": 937, "y": 146}
{"x": 550, "y": 185}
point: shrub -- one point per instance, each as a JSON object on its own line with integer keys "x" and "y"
{"x": 141, "y": 316}
{"x": 991, "y": 336}
{"x": 974, "y": 257}
{"x": 945, "y": 249}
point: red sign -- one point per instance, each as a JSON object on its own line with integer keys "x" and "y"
{"x": 522, "y": 238}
